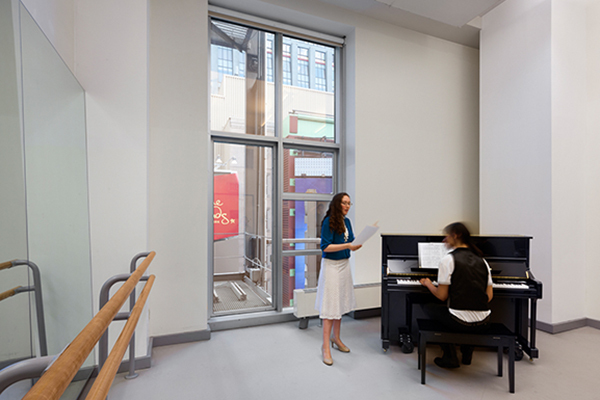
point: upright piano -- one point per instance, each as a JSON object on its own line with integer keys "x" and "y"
{"x": 516, "y": 290}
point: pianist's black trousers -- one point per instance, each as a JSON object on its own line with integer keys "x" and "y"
{"x": 440, "y": 312}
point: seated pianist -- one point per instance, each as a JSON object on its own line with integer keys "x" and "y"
{"x": 465, "y": 281}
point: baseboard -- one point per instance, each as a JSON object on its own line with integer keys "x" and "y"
{"x": 594, "y": 323}
{"x": 252, "y": 319}
{"x": 178, "y": 338}
{"x": 568, "y": 325}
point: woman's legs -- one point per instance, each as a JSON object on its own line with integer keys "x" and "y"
{"x": 327, "y": 325}
{"x": 337, "y": 326}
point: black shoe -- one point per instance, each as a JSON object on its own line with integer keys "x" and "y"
{"x": 467, "y": 354}
{"x": 445, "y": 363}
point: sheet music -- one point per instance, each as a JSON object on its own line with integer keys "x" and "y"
{"x": 430, "y": 254}
{"x": 366, "y": 234}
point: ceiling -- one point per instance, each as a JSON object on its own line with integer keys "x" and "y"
{"x": 451, "y": 12}
{"x": 453, "y": 20}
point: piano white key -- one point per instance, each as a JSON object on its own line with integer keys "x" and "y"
{"x": 510, "y": 286}
{"x": 414, "y": 282}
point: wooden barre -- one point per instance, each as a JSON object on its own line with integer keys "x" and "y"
{"x": 104, "y": 380}
{"x": 59, "y": 375}
{"x": 6, "y": 264}
{"x": 9, "y": 293}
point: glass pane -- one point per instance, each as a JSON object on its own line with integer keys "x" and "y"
{"x": 15, "y": 327}
{"x": 243, "y": 196}
{"x": 299, "y": 272}
{"x": 308, "y": 91}
{"x": 302, "y": 224}
{"x": 307, "y": 171}
{"x": 242, "y": 88}
{"x": 44, "y": 201}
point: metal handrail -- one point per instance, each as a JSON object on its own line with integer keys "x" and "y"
{"x": 59, "y": 375}
{"x": 104, "y": 294}
{"x": 107, "y": 374}
{"x": 27, "y": 369}
{"x": 37, "y": 290}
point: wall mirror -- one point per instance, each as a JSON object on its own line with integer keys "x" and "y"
{"x": 44, "y": 216}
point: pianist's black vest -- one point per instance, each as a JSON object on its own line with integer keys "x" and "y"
{"x": 469, "y": 282}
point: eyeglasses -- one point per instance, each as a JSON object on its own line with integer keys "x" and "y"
{"x": 347, "y": 204}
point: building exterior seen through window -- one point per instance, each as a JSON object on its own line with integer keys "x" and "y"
{"x": 252, "y": 252}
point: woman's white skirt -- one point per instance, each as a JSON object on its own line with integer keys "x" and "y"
{"x": 335, "y": 292}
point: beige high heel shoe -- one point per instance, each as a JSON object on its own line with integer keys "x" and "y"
{"x": 340, "y": 347}
{"x": 326, "y": 360}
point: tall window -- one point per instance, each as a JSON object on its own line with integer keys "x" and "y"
{"x": 266, "y": 224}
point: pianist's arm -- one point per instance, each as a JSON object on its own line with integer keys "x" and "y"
{"x": 439, "y": 291}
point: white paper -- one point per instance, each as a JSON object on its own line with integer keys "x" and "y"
{"x": 365, "y": 234}
{"x": 430, "y": 254}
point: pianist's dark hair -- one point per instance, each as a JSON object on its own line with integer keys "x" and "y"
{"x": 462, "y": 233}
{"x": 334, "y": 212}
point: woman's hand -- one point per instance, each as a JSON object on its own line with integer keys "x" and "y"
{"x": 354, "y": 248}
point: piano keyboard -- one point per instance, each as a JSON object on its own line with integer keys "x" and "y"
{"x": 415, "y": 282}
{"x": 510, "y": 286}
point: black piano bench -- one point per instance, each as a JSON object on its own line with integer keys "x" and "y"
{"x": 431, "y": 331}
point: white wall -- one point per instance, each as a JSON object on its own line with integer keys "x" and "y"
{"x": 569, "y": 108}
{"x": 57, "y": 19}
{"x": 179, "y": 165}
{"x": 416, "y": 136}
{"x": 539, "y": 167}
{"x": 111, "y": 48}
{"x": 515, "y": 136}
{"x": 592, "y": 162}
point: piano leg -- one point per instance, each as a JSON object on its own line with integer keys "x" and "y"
{"x": 405, "y": 336}
{"x": 532, "y": 329}
{"x": 385, "y": 322}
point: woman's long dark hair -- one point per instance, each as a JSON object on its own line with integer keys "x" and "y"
{"x": 334, "y": 212}
{"x": 462, "y": 233}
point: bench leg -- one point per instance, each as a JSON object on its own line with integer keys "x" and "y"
{"x": 500, "y": 351}
{"x": 419, "y": 352}
{"x": 423, "y": 357}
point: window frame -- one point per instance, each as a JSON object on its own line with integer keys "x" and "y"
{"x": 279, "y": 143}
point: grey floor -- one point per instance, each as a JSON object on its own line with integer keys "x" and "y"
{"x": 283, "y": 362}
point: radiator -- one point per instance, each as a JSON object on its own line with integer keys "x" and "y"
{"x": 368, "y": 295}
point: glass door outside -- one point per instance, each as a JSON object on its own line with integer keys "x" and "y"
{"x": 243, "y": 229}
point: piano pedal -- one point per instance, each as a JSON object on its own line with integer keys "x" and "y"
{"x": 406, "y": 344}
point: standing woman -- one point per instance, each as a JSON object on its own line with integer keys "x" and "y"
{"x": 335, "y": 292}
{"x": 464, "y": 279}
